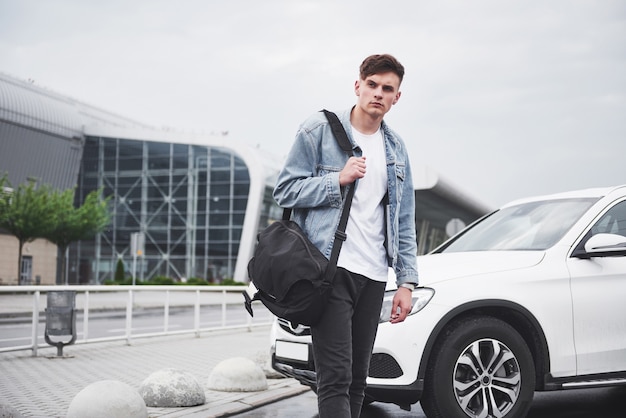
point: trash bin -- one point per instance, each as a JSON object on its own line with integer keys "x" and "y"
{"x": 60, "y": 319}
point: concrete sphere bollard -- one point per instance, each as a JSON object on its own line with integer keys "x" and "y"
{"x": 171, "y": 388}
{"x": 107, "y": 399}
{"x": 237, "y": 374}
{"x": 7, "y": 411}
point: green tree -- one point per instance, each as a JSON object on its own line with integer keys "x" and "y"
{"x": 26, "y": 213}
{"x": 119, "y": 271}
{"x": 3, "y": 197}
{"x": 71, "y": 223}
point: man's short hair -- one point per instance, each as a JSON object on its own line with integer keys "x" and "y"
{"x": 378, "y": 64}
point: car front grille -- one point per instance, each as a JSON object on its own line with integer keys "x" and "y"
{"x": 384, "y": 366}
{"x": 299, "y": 330}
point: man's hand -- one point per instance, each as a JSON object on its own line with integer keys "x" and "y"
{"x": 354, "y": 169}
{"x": 401, "y": 305}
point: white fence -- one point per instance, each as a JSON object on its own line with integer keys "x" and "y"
{"x": 27, "y": 304}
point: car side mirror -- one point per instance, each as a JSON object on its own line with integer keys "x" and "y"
{"x": 605, "y": 245}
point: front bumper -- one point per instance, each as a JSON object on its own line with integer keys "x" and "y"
{"x": 382, "y": 366}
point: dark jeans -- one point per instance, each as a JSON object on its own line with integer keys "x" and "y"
{"x": 343, "y": 341}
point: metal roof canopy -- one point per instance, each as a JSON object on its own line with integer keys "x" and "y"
{"x": 41, "y": 133}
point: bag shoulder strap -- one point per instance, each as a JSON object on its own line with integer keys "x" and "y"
{"x": 338, "y": 131}
{"x": 340, "y": 234}
{"x": 342, "y": 139}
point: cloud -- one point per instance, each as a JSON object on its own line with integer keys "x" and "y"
{"x": 504, "y": 99}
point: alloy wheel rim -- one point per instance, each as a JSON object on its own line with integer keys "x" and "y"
{"x": 487, "y": 379}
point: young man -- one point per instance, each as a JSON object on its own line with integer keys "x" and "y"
{"x": 380, "y": 230}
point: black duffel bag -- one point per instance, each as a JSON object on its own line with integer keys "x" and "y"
{"x": 288, "y": 274}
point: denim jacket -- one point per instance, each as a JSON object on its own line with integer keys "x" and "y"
{"x": 309, "y": 183}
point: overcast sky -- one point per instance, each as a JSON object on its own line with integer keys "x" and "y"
{"x": 502, "y": 98}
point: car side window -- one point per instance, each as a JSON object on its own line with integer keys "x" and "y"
{"x": 613, "y": 221}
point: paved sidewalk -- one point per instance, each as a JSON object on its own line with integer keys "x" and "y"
{"x": 44, "y": 386}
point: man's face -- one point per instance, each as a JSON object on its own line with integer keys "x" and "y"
{"x": 377, "y": 93}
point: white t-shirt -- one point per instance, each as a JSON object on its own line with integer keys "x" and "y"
{"x": 363, "y": 252}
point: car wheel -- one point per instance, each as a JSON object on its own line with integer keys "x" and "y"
{"x": 481, "y": 367}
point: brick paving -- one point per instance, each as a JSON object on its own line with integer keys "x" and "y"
{"x": 45, "y": 385}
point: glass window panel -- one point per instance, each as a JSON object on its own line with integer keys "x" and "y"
{"x": 110, "y": 164}
{"x": 177, "y": 221}
{"x": 108, "y": 234}
{"x": 218, "y": 234}
{"x": 219, "y": 159}
{"x": 178, "y": 258}
{"x": 108, "y": 191}
{"x": 158, "y": 149}
{"x": 158, "y": 235}
{"x": 160, "y": 181}
{"x": 159, "y": 162}
{"x": 131, "y": 149}
{"x": 86, "y": 248}
{"x": 156, "y": 191}
{"x": 159, "y": 219}
{"x": 180, "y": 161}
{"x": 123, "y": 191}
{"x": 124, "y": 218}
{"x": 91, "y": 152}
{"x": 239, "y": 163}
{"x": 110, "y": 149}
{"x": 181, "y": 190}
{"x": 241, "y": 189}
{"x": 238, "y": 218}
{"x": 181, "y": 205}
{"x": 201, "y": 205}
{"x": 176, "y": 234}
{"x": 90, "y": 165}
{"x": 220, "y": 176}
{"x": 154, "y": 248}
{"x": 180, "y": 149}
{"x": 90, "y": 183}
{"x": 219, "y": 219}
{"x": 222, "y": 189}
{"x": 239, "y": 204}
{"x": 128, "y": 180}
{"x": 129, "y": 164}
{"x": 242, "y": 175}
{"x": 219, "y": 204}
{"x": 134, "y": 194}
{"x": 201, "y": 191}
{"x": 217, "y": 249}
{"x": 134, "y": 205}
{"x": 91, "y": 147}
{"x": 155, "y": 206}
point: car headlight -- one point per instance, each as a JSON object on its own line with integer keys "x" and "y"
{"x": 421, "y": 297}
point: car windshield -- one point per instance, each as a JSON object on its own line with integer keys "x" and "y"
{"x": 528, "y": 226}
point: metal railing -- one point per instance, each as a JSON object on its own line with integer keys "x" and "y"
{"x": 159, "y": 297}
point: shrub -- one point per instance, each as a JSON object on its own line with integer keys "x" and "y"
{"x": 119, "y": 271}
{"x": 196, "y": 281}
{"x": 161, "y": 281}
{"x": 231, "y": 282}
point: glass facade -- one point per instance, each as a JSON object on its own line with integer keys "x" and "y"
{"x": 189, "y": 202}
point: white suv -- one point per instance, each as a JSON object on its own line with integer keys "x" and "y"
{"x": 529, "y": 297}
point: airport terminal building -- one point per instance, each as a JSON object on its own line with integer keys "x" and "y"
{"x": 183, "y": 205}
